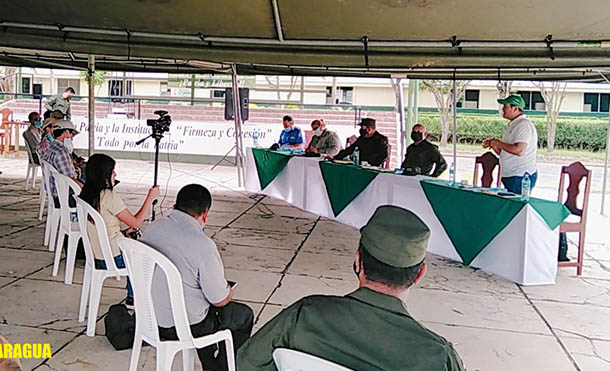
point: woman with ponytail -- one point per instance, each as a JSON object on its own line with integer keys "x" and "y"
{"x": 98, "y": 192}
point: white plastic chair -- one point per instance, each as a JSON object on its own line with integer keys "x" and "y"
{"x": 67, "y": 228}
{"x": 32, "y": 167}
{"x": 52, "y": 225}
{"x": 141, "y": 261}
{"x": 292, "y": 360}
{"x": 93, "y": 279}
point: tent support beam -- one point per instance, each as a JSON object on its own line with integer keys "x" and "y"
{"x": 454, "y": 109}
{"x": 278, "y": 21}
{"x": 91, "y": 104}
{"x": 605, "y": 181}
{"x": 239, "y": 156}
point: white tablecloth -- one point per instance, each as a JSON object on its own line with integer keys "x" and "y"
{"x": 525, "y": 251}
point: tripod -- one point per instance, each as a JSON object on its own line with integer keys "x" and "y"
{"x": 157, "y": 136}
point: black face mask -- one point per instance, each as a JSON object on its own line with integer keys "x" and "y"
{"x": 362, "y": 132}
{"x": 417, "y": 136}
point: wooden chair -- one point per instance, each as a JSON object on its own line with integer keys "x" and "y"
{"x": 488, "y": 162}
{"x": 350, "y": 141}
{"x": 576, "y": 171}
{"x": 386, "y": 163}
{"x": 308, "y": 136}
{"x": 5, "y": 135}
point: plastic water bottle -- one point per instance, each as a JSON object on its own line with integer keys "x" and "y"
{"x": 526, "y": 185}
{"x": 452, "y": 174}
{"x": 255, "y": 139}
{"x": 357, "y": 156}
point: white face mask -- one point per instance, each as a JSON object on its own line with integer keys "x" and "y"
{"x": 317, "y": 132}
{"x": 69, "y": 145}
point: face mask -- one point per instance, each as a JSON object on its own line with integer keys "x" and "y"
{"x": 287, "y": 129}
{"x": 317, "y": 132}
{"x": 50, "y": 137}
{"x": 417, "y": 136}
{"x": 69, "y": 145}
{"x": 37, "y": 124}
{"x": 362, "y": 132}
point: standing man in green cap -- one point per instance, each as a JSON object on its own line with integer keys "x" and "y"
{"x": 370, "y": 328}
{"x": 518, "y": 147}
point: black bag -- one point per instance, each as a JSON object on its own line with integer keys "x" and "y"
{"x": 120, "y": 327}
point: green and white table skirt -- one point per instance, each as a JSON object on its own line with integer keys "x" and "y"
{"x": 503, "y": 236}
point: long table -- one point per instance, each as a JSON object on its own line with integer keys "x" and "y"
{"x": 505, "y": 236}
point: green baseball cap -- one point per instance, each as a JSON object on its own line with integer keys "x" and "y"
{"x": 515, "y": 100}
{"x": 395, "y": 236}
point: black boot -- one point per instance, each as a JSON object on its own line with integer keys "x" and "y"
{"x": 563, "y": 248}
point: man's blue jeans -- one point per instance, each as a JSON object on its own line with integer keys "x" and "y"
{"x": 120, "y": 263}
{"x": 513, "y": 183}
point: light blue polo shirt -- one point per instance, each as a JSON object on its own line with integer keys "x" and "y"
{"x": 291, "y": 137}
{"x": 179, "y": 237}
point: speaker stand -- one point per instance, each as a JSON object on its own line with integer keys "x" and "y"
{"x": 224, "y": 158}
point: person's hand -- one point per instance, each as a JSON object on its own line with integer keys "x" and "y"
{"x": 328, "y": 157}
{"x": 154, "y": 193}
{"x": 314, "y": 150}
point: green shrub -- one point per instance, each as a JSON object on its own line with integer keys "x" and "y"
{"x": 572, "y": 132}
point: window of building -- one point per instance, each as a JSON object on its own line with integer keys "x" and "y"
{"x": 219, "y": 94}
{"x": 164, "y": 88}
{"x": 62, "y": 84}
{"x": 470, "y": 99}
{"x": 26, "y": 85}
{"x": 115, "y": 88}
{"x": 533, "y": 100}
{"x": 345, "y": 95}
{"x": 597, "y": 102}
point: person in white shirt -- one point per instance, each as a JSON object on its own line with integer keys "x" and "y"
{"x": 518, "y": 147}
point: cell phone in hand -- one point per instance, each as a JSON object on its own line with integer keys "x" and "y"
{"x": 232, "y": 284}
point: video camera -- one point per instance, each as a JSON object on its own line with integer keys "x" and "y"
{"x": 160, "y": 125}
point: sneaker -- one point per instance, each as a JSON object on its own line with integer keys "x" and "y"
{"x": 129, "y": 302}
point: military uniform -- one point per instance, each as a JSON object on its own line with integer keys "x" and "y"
{"x": 422, "y": 157}
{"x": 366, "y": 329}
{"x": 327, "y": 143}
{"x": 58, "y": 103}
{"x": 373, "y": 150}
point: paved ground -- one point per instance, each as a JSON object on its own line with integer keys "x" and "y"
{"x": 278, "y": 254}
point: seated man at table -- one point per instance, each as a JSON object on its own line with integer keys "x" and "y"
{"x": 422, "y": 156}
{"x": 324, "y": 141}
{"x": 370, "y": 328}
{"x": 372, "y": 145}
{"x": 292, "y": 136}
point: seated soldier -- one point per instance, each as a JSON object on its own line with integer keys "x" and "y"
{"x": 369, "y": 329}
{"x": 324, "y": 142}
{"x": 372, "y": 145}
{"x": 422, "y": 155}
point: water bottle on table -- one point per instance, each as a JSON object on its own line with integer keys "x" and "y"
{"x": 255, "y": 139}
{"x": 452, "y": 174}
{"x": 357, "y": 156}
{"x": 526, "y": 185}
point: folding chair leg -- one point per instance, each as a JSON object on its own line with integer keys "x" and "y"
{"x": 71, "y": 258}
{"x": 84, "y": 295}
{"x": 43, "y": 196}
{"x": 27, "y": 176}
{"x": 135, "y": 352}
{"x": 94, "y": 303}
{"x": 58, "y": 250}
{"x": 165, "y": 358}
{"x": 188, "y": 359}
{"x": 35, "y": 171}
{"x": 54, "y": 229}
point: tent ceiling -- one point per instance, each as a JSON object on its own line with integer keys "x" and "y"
{"x": 525, "y": 39}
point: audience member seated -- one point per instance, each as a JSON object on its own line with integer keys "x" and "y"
{"x": 324, "y": 141}
{"x": 369, "y": 329}
{"x": 292, "y": 136}
{"x": 422, "y": 156}
{"x": 372, "y": 145}
{"x": 47, "y": 128}
{"x": 33, "y": 134}
{"x": 58, "y": 155}
{"x": 180, "y": 237}
{"x": 99, "y": 193}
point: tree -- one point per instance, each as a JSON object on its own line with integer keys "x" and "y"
{"x": 553, "y": 95}
{"x": 442, "y": 90}
{"x": 276, "y": 85}
{"x": 7, "y": 81}
{"x": 98, "y": 79}
{"x": 504, "y": 90}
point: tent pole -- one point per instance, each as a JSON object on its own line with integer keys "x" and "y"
{"x": 454, "y": 128}
{"x": 238, "y": 136}
{"x": 605, "y": 181}
{"x": 91, "y": 105}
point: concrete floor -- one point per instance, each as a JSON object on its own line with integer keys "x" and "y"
{"x": 279, "y": 254}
